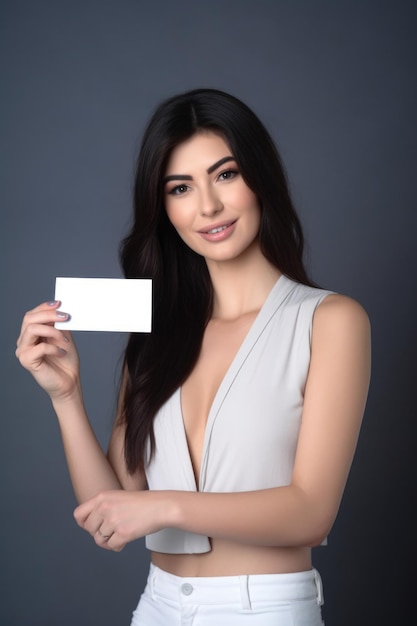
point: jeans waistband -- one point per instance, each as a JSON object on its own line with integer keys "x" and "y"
{"x": 241, "y": 590}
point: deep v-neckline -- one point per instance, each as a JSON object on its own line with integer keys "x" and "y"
{"x": 249, "y": 340}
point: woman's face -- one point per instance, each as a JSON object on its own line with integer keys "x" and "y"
{"x": 207, "y": 200}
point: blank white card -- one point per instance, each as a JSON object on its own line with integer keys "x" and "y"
{"x": 105, "y": 304}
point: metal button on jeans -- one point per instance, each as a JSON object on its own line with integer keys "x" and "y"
{"x": 187, "y": 589}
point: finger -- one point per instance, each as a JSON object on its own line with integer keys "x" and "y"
{"x": 83, "y": 511}
{"x": 88, "y": 514}
{"x": 46, "y": 306}
{"x": 44, "y": 313}
{"x": 114, "y": 544}
{"x": 44, "y": 316}
{"x": 35, "y": 332}
{"x": 66, "y": 335}
{"x": 104, "y": 535}
{"x": 30, "y": 359}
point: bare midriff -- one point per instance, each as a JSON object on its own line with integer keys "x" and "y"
{"x": 228, "y": 558}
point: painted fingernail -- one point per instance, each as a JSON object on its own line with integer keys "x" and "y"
{"x": 52, "y": 303}
{"x": 61, "y": 315}
{"x": 65, "y": 338}
{"x": 62, "y": 351}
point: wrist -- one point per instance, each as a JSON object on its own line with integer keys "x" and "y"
{"x": 174, "y": 509}
{"x": 167, "y": 512}
{"x": 68, "y": 401}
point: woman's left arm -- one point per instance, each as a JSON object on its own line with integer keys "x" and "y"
{"x": 300, "y": 514}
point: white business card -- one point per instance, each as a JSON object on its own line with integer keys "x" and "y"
{"x": 105, "y": 304}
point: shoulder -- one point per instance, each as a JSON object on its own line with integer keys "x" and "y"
{"x": 341, "y": 321}
{"x": 338, "y": 310}
{"x": 340, "y": 364}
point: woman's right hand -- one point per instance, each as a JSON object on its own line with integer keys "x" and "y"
{"x": 47, "y": 353}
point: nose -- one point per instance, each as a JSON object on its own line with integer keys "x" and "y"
{"x": 210, "y": 202}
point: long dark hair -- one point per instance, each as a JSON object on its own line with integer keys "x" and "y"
{"x": 156, "y": 364}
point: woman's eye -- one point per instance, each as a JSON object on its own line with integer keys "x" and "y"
{"x": 178, "y": 190}
{"x": 228, "y": 174}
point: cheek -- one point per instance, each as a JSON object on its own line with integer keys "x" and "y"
{"x": 177, "y": 216}
{"x": 250, "y": 201}
{"x": 170, "y": 211}
{"x": 246, "y": 198}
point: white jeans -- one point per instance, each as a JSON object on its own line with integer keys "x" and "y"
{"x": 254, "y": 600}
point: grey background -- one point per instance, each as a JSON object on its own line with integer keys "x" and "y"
{"x": 335, "y": 84}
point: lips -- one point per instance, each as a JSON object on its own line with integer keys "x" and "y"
{"x": 218, "y": 232}
{"x": 216, "y": 228}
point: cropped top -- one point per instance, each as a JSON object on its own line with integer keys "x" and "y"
{"x": 252, "y": 429}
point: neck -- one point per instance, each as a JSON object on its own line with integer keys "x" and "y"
{"x": 242, "y": 285}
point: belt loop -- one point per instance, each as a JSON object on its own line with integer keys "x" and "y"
{"x": 319, "y": 587}
{"x": 244, "y": 592}
{"x": 152, "y": 579}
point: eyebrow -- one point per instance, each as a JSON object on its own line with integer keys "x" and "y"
{"x": 209, "y": 170}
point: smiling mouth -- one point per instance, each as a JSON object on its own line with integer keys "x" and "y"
{"x": 217, "y": 229}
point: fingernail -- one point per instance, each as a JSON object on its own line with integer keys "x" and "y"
{"x": 61, "y": 315}
{"x": 53, "y": 302}
{"x": 65, "y": 338}
{"x": 62, "y": 351}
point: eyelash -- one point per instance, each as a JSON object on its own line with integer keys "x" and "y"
{"x": 233, "y": 172}
{"x": 178, "y": 190}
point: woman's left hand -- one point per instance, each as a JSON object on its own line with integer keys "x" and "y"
{"x": 114, "y": 518}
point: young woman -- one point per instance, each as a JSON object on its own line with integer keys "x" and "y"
{"x": 239, "y": 414}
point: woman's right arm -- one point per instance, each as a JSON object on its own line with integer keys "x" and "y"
{"x": 51, "y": 357}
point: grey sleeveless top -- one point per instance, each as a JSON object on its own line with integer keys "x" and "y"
{"x": 253, "y": 424}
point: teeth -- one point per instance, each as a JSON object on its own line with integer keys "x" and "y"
{"x": 216, "y": 230}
